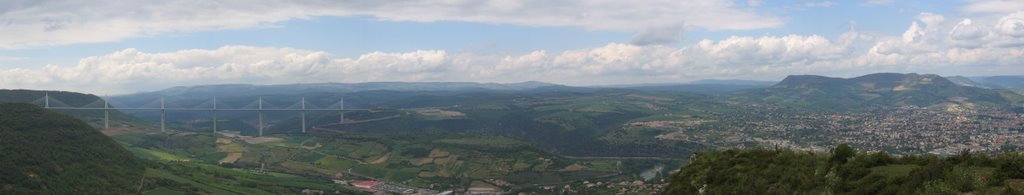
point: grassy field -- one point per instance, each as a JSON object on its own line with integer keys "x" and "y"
{"x": 335, "y": 163}
{"x": 299, "y": 166}
{"x": 205, "y": 178}
{"x": 163, "y": 191}
{"x": 497, "y": 142}
{"x": 154, "y": 154}
{"x": 369, "y": 149}
{"x": 231, "y": 158}
{"x": 230, "y": 148}
{"x": 450, "y": 159}
{"x": 164, "y": 174}
{"x": 610, "y": 166}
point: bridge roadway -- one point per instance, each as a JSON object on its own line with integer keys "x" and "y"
{"x": 163, "y": 109}
{"x": 206, "y": 109}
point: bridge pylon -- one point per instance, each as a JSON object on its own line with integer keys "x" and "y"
{"x": 260, "y": 109}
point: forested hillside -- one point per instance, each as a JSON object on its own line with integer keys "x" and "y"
{"x": 68, "y": 99}
{"x": 44, "y": 152}
{"x": 845, "y": 171}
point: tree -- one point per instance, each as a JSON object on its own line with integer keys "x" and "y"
{"x": 938, "y": 188}
{"x": 842, "y": 153}
{"x": 1011, "y": 166}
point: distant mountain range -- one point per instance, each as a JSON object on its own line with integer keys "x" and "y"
{"x": 226, "y": 90}
{"x": 1015, "y": 83}
{"x": 373, "y": 91}
{"x": 808, "y": 90}
{"x": 711, "y": 86}
{"x": 884, "y": 89}
{"x": 248, "y": 89}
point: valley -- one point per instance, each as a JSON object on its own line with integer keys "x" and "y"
{"x": 548, "y": 139}
{"x": 499, "y": 97}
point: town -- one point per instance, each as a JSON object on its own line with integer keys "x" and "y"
{"x": 906, "y": 129}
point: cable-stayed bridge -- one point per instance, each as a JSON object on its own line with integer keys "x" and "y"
{"x": 258, "y": 105}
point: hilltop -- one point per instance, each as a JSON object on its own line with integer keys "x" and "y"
{"x": 48, "y": 152}
{"x": 880, "y": 89}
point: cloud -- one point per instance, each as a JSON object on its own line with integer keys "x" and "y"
{"x": 11, "y": 58}
{"x": 966, "y": 30}
{"x": 819, "y": 4}
{"x": 931, "y": 19}
{"x": 755, "y": 2}
{"x": 933, "y": 44}
{"x": 967, "y": 34}
{"x": 993, "y": 6}
{"x": 1011, "y": 25}
{"x": 913, "y": 34}
{"x": 941, "y": 45}
{"x": 923, "y": 37}
{"x": 916, "y": 39}
{"x": 54, "y": 22}
{"x": 659, "y": 35}
{"x": 131, "y": 70}
{"x": 1007, "y": 31}
{"x": 880, "y": 2}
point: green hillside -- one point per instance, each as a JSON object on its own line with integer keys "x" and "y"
{"x": 45, "y": 152}
{"x": 567, "y": 123}
{"x": 70, "y": 99}
{"x": 844, "y": 171}
{"x": 880, "y": 89}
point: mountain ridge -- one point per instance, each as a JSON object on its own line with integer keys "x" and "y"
{"x": 355, "y": 87}
{"x": 878, "y": 89}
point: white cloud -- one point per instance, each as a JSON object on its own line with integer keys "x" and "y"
{"x": 659, "y": 35}
{"x": 967, "y": 34}
{"x": 11, "y": 58}
{"x": 914, "y": 34}
{"x": 1007, "y": 31}
{"x": 819, "y": 4}
{"x": 931, "y": 19}
{"x": 916, "y": 39}
{"x": 932, "y": 44}
{"x": 993, "y": 6}
{"x": 55, "y": 22}
{"x": 941, "y": 45}
{"x": 1011, "y": 25}
{"x": 755, "y": 2}
{"x": 132, "y": 70}
{"x": 966, "y": 30}
{"x": 880, "y": 2}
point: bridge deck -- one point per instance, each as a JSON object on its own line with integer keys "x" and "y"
{"x": 207, "y": 109}
{"x": 45, "y": 100}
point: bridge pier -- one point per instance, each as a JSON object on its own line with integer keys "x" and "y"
{"x": 106, "y": 114}
{"x": 163, "y": 115}
{"x": 303, "y": 114}
{"x": 163, "y": 111}
{"x": 214, "y": 114}
{"x": 341, "y": 112}
{"x": 260, "y": 110}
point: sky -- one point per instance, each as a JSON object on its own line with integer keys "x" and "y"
{"x": 119, "y": 47}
